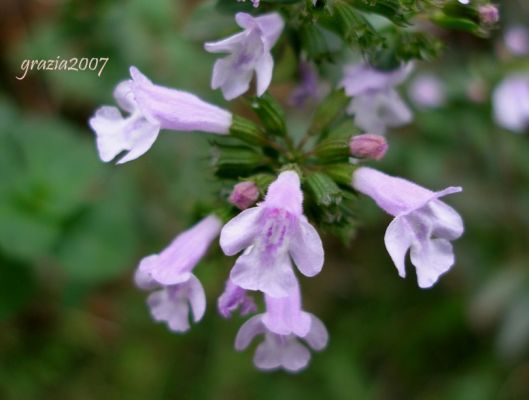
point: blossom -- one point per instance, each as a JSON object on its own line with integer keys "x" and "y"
{"x": 171, "y": 272}
{"x": 244, "y": 195}
{"x": 171, "y": 304}
{"x": 517, "y": 40}
{"x": 368, "y": 145}
{"x": 308, "y": 87}
{"x": 427, "y": 91}
{"x": 489, "y": 14}
{"x": 272, "y": 233}
{"x": 151, "y": 108}
{"x": 175, "y": 263}
{"x": 511, "y": 103}
{"x": 375, "y": 103}
{"x": 249, "y": 51}
{"x": 283, "y": 323}
{"x": 422, "y": 223}
{"x": 235, "y": 297}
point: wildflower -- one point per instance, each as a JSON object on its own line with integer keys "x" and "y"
{"x": 368, "y": 145}
{"x": 171, "y": 271}
{"x": 517, "y": 40}
{"x": 171, "y": 304}
{"x": 308, "y": 87}
{"x": 375, "y": 104}
{"x": 427, "y": 91}
{"x": 422, "y": 223}
{"x": 511, "y": 103}
{"x": 233, "y": 298}
{"x": 174, "y": 264}
{"x": 283, "y": 323}
{"x": 489, "y": 14}
{"x": 151, "y": 108}
{"x": 271, "y": 233}
{"x": 244, "y": 195}
{"x": 249, "y": 51}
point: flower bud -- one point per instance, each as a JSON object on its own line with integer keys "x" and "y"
{"x": 368, "y": 145}
{"x": 489, "y": 14}
{"x": 244, "y": 195}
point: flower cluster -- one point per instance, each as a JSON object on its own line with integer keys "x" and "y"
{"x": 281, "y": 193}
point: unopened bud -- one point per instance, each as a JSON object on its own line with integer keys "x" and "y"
{"x": 368, "y": 146}
{"x": 244, "y": 195}
{"x": 489, "y": 14}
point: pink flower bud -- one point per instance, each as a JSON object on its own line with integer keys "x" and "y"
{"x": 368, "y": 146}
{"x": 244, "y": 195}
{"x": 489, "y": 14}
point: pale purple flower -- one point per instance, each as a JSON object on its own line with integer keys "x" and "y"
{"x": 511, "y": 103}
{"x": 423, "y": 224}
{"x": 489, "y": 14}
{"x": 375, "y": 104}
{"x": 308, "y": 86}
{"x": 171, "y": 271}
{"x": 171, "y": 304}
{"x": 151, "y": 108}
{"x": 283, "y": 324}
{"x": 517, "y": 40}
{"x": 272, "y": 233}
{"x": 176, "y": 262}
{"x": 369, "y": 146}
{"x": 233, "y": 298}
{"x": 244, "y": 195}
{"x": 249, "y": 51}
{"x": 427, "y": 91}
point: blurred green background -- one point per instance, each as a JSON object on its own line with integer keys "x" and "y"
{"x": 72, "y": 325}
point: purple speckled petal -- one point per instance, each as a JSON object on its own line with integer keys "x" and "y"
{"x": 285, "y": 193}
